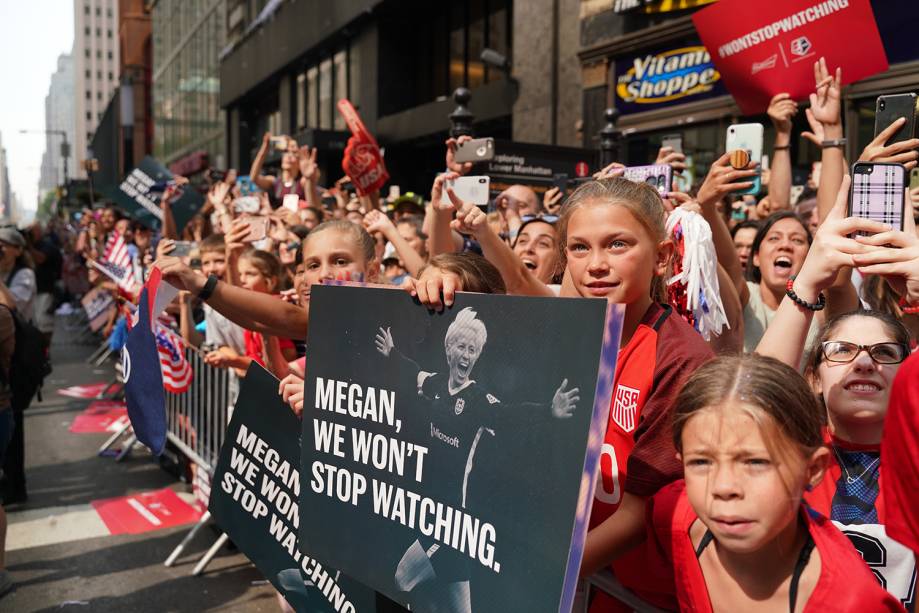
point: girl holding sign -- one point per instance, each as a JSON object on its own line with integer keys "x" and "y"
{"x": 614, "y": 240}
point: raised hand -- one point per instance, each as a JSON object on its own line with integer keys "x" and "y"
{"x": 817, "y": 134}
{"x": 377, "y": 221}
{"x": 309, "y": 169}
{"x": 903, "y": 152}
{"x": 896, "y": 258}
{"x": 825, "y": 101}
{"x": 564, "y": 402}
{"x": 666, "y": 155}
{"x": 781, "y": 109}
{"x": 291, "y": 392}
{"x": 552, "y": 200}
{"x": 179, "y": 274}
{"x": 721, "y": 178}
{"x": 833, "y": 248}
{"x": 609, "y": 171}
{"x": 452, "y": 164}
{"x": 435, "y": 288}
{"x": 384, "y": 342}
{"x": 470, "y": 219}
{"x": 164, "y": 247}
{"x": 437, "y": 191}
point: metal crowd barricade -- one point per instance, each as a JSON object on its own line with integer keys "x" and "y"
{"x": 196, "y": 424}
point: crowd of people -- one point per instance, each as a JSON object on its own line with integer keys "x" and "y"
{"x": 750, "y": 454}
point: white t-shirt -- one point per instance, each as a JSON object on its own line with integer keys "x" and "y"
{"x": 757, "y": 317}
{"x": 23, "y": 287}
{"x": 221, "y": 332}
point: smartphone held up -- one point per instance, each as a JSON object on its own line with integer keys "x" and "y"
{"x": 878, "y": 192}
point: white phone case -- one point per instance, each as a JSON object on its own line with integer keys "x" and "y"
{"x": 469, "y": 189}
{"x": 748, "y": 136}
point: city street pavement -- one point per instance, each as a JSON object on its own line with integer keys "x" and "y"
{"x": 60, "y": 553}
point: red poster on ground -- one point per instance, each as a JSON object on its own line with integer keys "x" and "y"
{"x": 363, "y": 160}
{"x": 145, "y": 512}
{"x": 101, "y": 416}
{"x": 765, "y": 48}
{"x": 90, "y": 390}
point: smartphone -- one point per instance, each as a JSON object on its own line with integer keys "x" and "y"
{"x": 475, "y": 150}
{"x": 674, "y": 141}
{"x": 329, "y": 202}
{"x": 279, "y": 142}
{"x": 258, "y": 228}
{"x": 560, "y": 181}
{"x": 182, "y": 249}
{"x": 290, "y": 202}
{"x": 890, "y": 108}
{"x": 469, "y": 189}
{"x": 658, "y": 176}
{"x": 247, "y": 204}
{"x": 246, "y": 185}
{"x": 747, "y": 137}
{"x": 878, "y": 192}
{"x": 914, "y": 178}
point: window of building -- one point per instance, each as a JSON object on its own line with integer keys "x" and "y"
{"x": 89, "y": 74}
{"x": 108, "y": 12}
{"x": 89, "y": 116}
{"x": 312, "y": 97}
{"x": 110, "y": 76}
{"x": 301, "y": 101}
{"x": 86, "y": 31}
{"x": 89, "y": 95}
{"x": 98, "y": 31}
{"x": 108, "y": 33}
{"x": 109, "y": 55}
{"x": 340, "y": 61}
{"x": 325, "y": 94}
{"x": 99, "y": 54}
{"x": 86, "y": 53}
{"x": 443, "y": 54}
{"x": 99, "y": 74}
{"x": 99, "y": 95}
{"x": 89, "y": 136}
{"x": 98, "y": 11}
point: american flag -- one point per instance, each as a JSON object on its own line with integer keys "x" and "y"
{"x": 117, "y": 258}
{"x": 177, "y": 372}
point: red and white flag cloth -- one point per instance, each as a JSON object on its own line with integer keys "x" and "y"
{"x": 177, "y": 372}
{"x": 116, "y": 264}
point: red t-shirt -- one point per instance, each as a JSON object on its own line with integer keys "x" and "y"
{"x": 845, "y": 583}
{"x": 900, "y": 452}
{"x": 650, "y": 371}
{"x": 255, "y": 345}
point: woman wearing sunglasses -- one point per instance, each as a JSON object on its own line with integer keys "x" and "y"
{"x": 851, "y": 368}
{"x": 533, "y": 266}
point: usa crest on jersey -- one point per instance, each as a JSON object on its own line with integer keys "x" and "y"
{"x": 625, "y": 405}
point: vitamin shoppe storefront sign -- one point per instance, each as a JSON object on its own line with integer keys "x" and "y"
{"x": 657, "y": 79}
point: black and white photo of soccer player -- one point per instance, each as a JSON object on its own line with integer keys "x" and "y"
{"x": 463, "y": 416}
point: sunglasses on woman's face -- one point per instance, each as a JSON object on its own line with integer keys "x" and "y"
{"x": 882, "y": 353}
{"x": 549, "y": 219}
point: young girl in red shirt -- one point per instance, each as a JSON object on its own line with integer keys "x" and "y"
{"x": 734, "y": 532}
{"x": 613, "y": 238}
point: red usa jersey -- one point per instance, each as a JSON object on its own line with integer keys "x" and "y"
{"x": 845, "y": 583}
{"x": 900, "y": 487}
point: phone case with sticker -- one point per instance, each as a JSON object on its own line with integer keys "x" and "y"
{"x": 878, "y": 193}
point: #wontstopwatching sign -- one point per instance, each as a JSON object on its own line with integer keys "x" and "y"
{"x": 765, "y": 48}
{"x": 448, "y": 458}
{"x": 140, "y": 193}
{"x": 255, "y": 501}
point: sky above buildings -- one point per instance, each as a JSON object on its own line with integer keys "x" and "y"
{"x": 32, "y": 36}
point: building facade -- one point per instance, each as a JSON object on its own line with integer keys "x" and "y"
{"x": 7, "y": 213}
{"x": 620, "y": 36}
{"x": 288, "y": 63}
{"x": 188, "y": 122}
{"x": 59, "y": 117}
{"x": 96, "y": 60}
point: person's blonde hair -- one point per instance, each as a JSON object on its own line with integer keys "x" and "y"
{"x": 640, "y": 199}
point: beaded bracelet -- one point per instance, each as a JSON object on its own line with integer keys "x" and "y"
{"x": 790, "y": 292}
{"x": 907, "y": 308}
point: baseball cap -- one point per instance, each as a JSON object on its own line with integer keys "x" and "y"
{"x": 11, "y": 236}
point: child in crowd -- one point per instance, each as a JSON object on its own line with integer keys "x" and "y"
{"x": 613, "y": 238}
{"x": 260, "y": 271}
{"x": 734, "y": 533}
